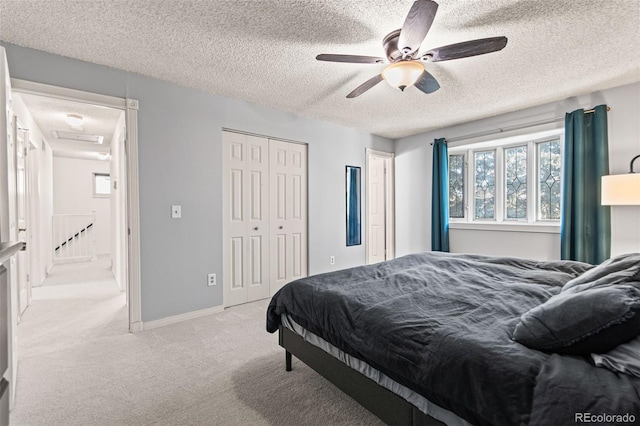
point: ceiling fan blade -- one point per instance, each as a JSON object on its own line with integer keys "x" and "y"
{"x": 352, "y": 59}
{"x": 365, "y": 86}
{"x": 427, "y": 83}
{"x": 466, "y": 49}
{"x": 417, "y": 24}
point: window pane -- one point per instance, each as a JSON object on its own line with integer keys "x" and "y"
{"x": 103, "y": 184}
{"x": 485, "y": 184}
{"x": 516, "y": 182}
{"x": 456, "y": 186}
{"x": 549, "y": 166}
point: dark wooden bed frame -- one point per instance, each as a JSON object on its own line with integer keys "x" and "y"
{"x": 388, "y": 406}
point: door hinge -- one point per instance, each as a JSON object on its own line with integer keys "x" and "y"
{"x": 128, "y": 231}
{"x": 28, "y": 278}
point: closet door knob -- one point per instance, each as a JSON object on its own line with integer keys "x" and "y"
{"x": 280, "y": 227}
{"x": 255, "y": 229}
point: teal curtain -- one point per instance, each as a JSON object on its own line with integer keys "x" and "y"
{"x": 586, "y": 224}
{"x": 440, "y": 197}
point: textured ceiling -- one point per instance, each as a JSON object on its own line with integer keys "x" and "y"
{"x": 264, "y": 52}
{"x": 50, "y": 114}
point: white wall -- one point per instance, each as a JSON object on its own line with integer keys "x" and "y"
{"x": 530, "y": 245}
{"x": 73, "y": 194}
{"x": 413, "y": 179}
{"x": 180, "y": 139}
{"x": 118, "y": 204}
{"x": 41, "y": 197}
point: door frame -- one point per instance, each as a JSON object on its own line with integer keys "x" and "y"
{"x": 389, "y": 202}
{"x": 25, "y": 274}
{"x": 130, "y": 107}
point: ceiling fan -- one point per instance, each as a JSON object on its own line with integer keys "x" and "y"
{"x": 402, "y": 50}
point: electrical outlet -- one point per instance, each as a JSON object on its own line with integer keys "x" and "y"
{"x": 176, "y": 212}
{"x": 211, "y": 280}
{"x": 332, "y": 260}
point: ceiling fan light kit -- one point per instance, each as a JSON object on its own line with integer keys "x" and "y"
{"x": 402, "y": 49}
{"x": 403, "y": 74}
{"x": 74, "y": 120}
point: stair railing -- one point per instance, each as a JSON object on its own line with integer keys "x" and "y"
{"x": 74, "y": 237}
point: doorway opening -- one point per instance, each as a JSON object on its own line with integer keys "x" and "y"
{"x": 86, "y": 189}
{"x": 380, "y": 224}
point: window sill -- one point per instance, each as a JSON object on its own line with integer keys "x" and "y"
{"x": 507, "y": 227}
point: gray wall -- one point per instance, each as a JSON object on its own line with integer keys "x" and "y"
{"x": 413, "y": 179}
{"x": 180, "y": 133}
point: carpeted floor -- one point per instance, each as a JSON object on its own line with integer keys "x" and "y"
{"x": 79, "y": 366}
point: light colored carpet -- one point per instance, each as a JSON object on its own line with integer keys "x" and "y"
{"x": 79, "y": 366}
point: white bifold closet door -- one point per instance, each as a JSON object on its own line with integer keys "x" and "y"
{"x": 288, "y": 199}
{"x": 245, "y": 218}
{"x": 264, "y": 216}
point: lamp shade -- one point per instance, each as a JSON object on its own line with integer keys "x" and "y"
{"x": 621, "y": 190}
{"x": 403, "y": 74}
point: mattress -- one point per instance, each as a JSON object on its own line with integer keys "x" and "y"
{"x": 441, "y": 325}
{"x": 417, "y": 400}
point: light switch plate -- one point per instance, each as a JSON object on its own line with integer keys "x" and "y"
{"x": 176, "y": 212}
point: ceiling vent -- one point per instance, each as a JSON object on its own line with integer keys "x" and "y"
{"x": 81, "y": 137}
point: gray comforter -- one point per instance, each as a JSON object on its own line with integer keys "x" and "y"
{"x": 441, "y": 324}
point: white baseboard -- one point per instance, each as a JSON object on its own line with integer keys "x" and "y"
{"x": 182, "y": 317}
{"x": 135, "y": 327}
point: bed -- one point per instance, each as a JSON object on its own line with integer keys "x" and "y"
{"x": 428, "y": 339}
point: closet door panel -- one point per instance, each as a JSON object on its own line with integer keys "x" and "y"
{"x": 245, "y": 218}
{"x": 257, "y": 222}
{"x": 288, "y": 179}
{"x": 234, "y": 153}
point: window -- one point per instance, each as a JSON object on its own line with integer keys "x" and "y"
{"x": 549, "y": 166}
{"x": 101, "y": 185}
{"x": 516, "y": 182}
{"x": 484, "y": 184}
{"x": 511, "y": 181}
{"x": 456, "y": 186}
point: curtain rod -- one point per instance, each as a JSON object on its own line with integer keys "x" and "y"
{"x": 511, "y": 128}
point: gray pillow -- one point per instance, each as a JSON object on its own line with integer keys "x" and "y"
{"x": 617, "y": 270}
{"x": 624, "y": 358}
{"x": 591, "y": 321}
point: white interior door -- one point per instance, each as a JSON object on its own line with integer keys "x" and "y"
{"x": 288, "y": 183}
{"x": 380, "y": 225}
{"x": 375, "y": 207}
{"x": 22, "y": 138}
{"x": 245, "y": 218}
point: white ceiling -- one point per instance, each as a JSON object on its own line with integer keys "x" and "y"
{"x": 264, "y": 52}
{"x": 50, "y": 115}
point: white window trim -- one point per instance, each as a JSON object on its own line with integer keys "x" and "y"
{"x": 544, "y": 228}
{"x": 500, "y": 223}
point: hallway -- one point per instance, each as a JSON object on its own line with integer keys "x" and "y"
{"x": 77, "y": 303}
{"x": 71, "y": 315}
